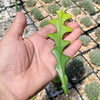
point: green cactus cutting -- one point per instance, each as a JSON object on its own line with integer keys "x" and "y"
{"x": 60, "y": 44}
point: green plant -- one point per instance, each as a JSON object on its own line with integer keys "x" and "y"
{"x": 67, "y": 3}
{"x": 76, "y": 11}
{"x": 44, "y": 23}
{"x": 1, "y": 17}
{"x": 37, "y": 13}
{"x": 75, "y": 0}
{"x": 69, "y": 99}
{"x": 98, "y": 16}
{"x": 31, "y": 3}
{"x": 88, "y": 5}
{"x": 53, "y": 8}
{"x": 74, "y": 68}
{"x": 85, "y": 39}
{"x": 95, "y": 57}
{"x": 48, "y": 1}
{"x": 34, "y": 97}
{"x": 92, "y": 90}
{"x": 86, "y": 21}
{"x": 97, "y": 1}
{"x": 16, "y": 5}
{"x": 56, "y": 80}
{"x": 60, "y": 44}
{"x": 97, "y": 33}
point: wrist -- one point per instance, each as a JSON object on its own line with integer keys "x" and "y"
{"x": 5, "y": 93}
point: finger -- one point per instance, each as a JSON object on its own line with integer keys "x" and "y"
{"x": 74, "y": 35}
{"x": 66, "y": 22}
{"x": 51, "y": 41}
{"x": 17, "y": 28}
{"x": 73, "y": 48}
{"x": 73, "y": 25}
{"x": 71, "y": 37}
{"x": 52, "y": 29}
{"x": 46, "y": 30}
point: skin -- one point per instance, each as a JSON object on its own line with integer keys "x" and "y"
{"x": 27, "y": 65}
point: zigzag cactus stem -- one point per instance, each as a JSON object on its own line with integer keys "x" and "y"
{"x": 16, "y": 5}
{"x": 60, "y": 44}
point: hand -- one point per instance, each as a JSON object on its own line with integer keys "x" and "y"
{"x": 26, "y": 65}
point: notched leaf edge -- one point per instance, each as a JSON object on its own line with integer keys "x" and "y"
{"x": 60, "y": 44}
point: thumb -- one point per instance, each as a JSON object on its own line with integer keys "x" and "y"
{"x": 17, "y": 27}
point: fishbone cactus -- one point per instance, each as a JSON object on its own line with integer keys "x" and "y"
{"x": 60, "y": 44}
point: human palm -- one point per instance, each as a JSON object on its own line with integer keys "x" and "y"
{"x": 26, "y": 65}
